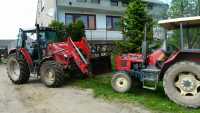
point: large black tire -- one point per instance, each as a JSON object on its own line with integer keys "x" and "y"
{"x": 18, "y": 71}
{"x": 121, "y": 82}
{"x": 52, "y": 74}
{"x": 182, "y": 70}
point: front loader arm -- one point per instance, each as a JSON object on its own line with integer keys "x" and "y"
{"x": 78, "y": 57}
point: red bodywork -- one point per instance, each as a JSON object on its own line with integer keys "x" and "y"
{"x": 65, "y": 52}
{"x": 124, "y": 62}
{"x": 25, "y": 54}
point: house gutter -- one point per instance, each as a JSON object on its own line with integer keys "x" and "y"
{"x": 56, "y": 10}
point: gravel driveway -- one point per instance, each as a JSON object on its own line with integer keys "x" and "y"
{"x": 34, "y": 97}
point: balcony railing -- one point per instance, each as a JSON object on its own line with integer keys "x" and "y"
{"x": 103, "y": 34}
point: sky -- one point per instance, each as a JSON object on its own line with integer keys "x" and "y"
{"x": 17, "y": 14}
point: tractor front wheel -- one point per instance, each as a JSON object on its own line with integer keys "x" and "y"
{"x": 182, "y": 83}
{"x": 121, "y": 82}
{"x": 52, "y": 74}
{"x": 18, "y": 71}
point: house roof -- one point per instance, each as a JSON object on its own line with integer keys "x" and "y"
{"x": 175, "y": 23}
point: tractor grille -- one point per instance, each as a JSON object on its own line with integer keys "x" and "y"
{"x": 123, "y": 63}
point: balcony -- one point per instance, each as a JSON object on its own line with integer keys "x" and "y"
{"x": 91, "y": 5}
{"x": 103, "y": 35}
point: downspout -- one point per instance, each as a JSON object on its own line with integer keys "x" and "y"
{"x": 56, "y": 10}
{"x": 36, "y": 22}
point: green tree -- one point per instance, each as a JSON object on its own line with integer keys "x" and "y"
{"x": 185, "y": 8}
{"x": 133, "y": 24}
{"x": 74, "y": 30}
{"x": 60, "y": 28}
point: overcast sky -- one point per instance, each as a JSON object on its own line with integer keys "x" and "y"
{"x": 16, "y": 14}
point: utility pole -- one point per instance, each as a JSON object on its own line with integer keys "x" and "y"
{"x": 198, "y": 5}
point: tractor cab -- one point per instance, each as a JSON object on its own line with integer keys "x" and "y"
{"x": 180, "y": 71}
{"x": 36, "y": 40}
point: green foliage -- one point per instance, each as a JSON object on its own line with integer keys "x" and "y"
{"x": 75, "y": 30}
{"x": 59, "y": 27}
{"x": 133, "y": 25}
{"x": 183, "y": 8}
{"x": 156, "y": 101}
{"x": 125, "y": 1}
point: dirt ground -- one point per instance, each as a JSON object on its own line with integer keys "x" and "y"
{"x": 34, "y": 97}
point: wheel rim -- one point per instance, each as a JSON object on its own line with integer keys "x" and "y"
{"x": 188, "y": 84}
{"x": 49, "y": 77}
{"x": 121, "y": 83}
{"x": 14, "y": 69}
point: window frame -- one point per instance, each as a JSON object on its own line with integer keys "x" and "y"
{"x": 114, "y": 3}
{"x": 112, "y": 22}
{"x": 77, "y": 14}
{"x": 99, "y": 1}
{"x": 81, "y": 1}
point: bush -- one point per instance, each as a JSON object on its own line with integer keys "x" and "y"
{"x": 75, "y": 30}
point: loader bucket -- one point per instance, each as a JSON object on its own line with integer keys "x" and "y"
{"x": 101, "y": 65}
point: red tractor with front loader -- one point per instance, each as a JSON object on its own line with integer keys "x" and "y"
{"x": 180, "y": 71}
{"x": 40, "y": 52}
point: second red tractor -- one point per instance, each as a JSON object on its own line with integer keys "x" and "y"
{"x": 180, "y": 72}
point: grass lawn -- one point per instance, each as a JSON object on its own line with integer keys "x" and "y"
{"x": 156, "y": 101}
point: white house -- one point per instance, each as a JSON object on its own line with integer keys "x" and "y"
{"x": 101, "y": 17}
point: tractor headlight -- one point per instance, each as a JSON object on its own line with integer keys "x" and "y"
{"x": 66, "y": 56}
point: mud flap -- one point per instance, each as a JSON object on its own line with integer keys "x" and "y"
{"x": 101, "y": 65}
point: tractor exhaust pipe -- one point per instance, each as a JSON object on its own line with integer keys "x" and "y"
{"x": 144, "y": 45}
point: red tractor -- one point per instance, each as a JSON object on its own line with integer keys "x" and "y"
{"x": 39, "y": 52}
{"x": 180, "y": 72}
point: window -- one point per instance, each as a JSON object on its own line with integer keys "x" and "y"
{"x": 114, "y": 3}
{"x": 95, "y": 1}
{"x": 81, "y": 0}
{"x": 150, "y": 6}
{"x": 88, "y": 20}
{"x": 124, "y": 4}
{"x": 113, "y": 23}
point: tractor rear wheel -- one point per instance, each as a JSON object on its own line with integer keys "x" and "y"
{"x": 182, "y": 83}
{"x": 18, "y": 71}
{"x": 121, "y": 82}
{"x": 52, "y": 74}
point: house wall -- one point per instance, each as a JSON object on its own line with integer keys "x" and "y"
{"x": 59, "y": 8}
{"x": 8, "y": 44}
{"x": 100, "y": 33}
{"x": 46, "y": 12}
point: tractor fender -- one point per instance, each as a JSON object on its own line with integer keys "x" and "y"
{"x": 24, "y": 52}
{"x": 178, "y": 57}
{"x": 11, "y": 51}
{"x": 56, "y": 58}
{"x": 26, "y": 55}
{"x": 47, "y": 58}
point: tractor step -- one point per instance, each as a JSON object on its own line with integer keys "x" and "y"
{"x": 150, "y": 78}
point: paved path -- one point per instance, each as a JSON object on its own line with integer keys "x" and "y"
{"x": 34, "y": 97}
